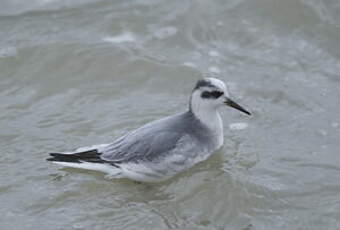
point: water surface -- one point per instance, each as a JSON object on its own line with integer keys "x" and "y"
{"x": 77, "y": 73}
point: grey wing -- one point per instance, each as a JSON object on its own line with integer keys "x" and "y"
{"x": 140, "y": 146}
{"x": 189, "y": 150}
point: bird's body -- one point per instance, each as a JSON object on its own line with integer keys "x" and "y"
{"x": 162, "y": 148}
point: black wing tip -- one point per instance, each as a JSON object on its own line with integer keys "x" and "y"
{"x": 62, "y": 157}
{"x": 91, "y": 156}
{"x": 51, "y": 159}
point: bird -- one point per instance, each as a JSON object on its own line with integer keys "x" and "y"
{"x": 162, "y": 148}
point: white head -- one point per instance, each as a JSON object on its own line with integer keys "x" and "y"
{"x": 209, "y": 94}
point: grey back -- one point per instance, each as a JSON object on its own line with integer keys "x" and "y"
{"x": 158, "y": 139}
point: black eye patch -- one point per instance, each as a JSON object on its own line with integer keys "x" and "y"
{"x": 213, "y": 94}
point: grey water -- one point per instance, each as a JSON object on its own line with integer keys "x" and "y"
{"x": 78, "y": 73}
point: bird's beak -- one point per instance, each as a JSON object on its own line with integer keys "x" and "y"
{"x": 233, "y": 104}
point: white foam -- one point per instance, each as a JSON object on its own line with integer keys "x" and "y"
{"x": 190, "y": 64}
{"x": 335, "y": 124}
{"x": 214, "y": 53}
{"x": 214, "y": 70}
{"x": 124, "y": 37}
{"x": 238, "y": 126}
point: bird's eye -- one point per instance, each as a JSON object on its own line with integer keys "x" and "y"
{"x": 216, "y": 94}
{"x": 213, "y": 94}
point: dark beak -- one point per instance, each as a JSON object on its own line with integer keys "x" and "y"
{"x": 233, "y": 104}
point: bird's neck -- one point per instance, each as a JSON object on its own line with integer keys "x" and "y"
{"x": 211, "y": 118}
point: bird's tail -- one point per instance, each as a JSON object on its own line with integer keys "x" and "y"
{"x": 78, "y": 157}
{"x": 85, "y": 160}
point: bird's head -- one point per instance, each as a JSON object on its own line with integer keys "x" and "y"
{"x": 210, "y": 94}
